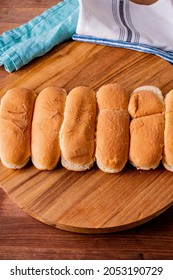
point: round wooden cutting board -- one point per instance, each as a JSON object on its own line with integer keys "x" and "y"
{"x": 91, "y": 201}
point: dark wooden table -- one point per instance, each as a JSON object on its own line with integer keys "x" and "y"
{"x": 22, "y": 237}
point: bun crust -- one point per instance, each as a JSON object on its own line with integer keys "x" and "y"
{"x": 78, "y": 129}
{"x": 146, "y": 107}
{"x": 145, "y": 101}
{"x": 112, "y": 97}
{"x": 112, "y": 137}
{"x": 146, "y": 141}
{"x": 112, "y": 144}
{"x": 15, "y": 127}
{"x": 168, "y": 133}
{"x": 47, "y": 120}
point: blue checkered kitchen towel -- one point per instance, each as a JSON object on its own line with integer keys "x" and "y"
{"x": 118, "y": 23}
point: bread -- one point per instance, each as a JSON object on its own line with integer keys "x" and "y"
{"x": 15, "y": 127}
{"x": 168, "y": 133}
{"x": 112, "y": 136}
{"x": 112, "y": 97}
{"x": 146, "y": 107}
{"x": 77, "y": 134}
{"x": 47, "y": 120}
{"x": 145, "y": 101}
{"x": 146, "y": 141}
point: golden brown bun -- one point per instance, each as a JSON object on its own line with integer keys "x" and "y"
{"x": 15, "y": 127}
{"x": 112, "y": 96}
{"x": 112, "y": 141}
{"x": 47, "y": 120}
{"x": 112, "y": 136}
{"x": 146, "y": 141}
{"x": 78, "y": 129}
{"x": 168, "y": 133}
{"x": 145, "y": 101}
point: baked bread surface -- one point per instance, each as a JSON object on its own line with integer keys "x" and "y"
{"x": 112, "y": 135}
{"x": 16, "y": 112}
{"x": 146, "y": 141}
{"x": 168, "y": 133}
{"x": 77, "y": 134}
{"x": 146, "y": 101}
{"x": 46, "y": 124}
{"x": 146, "y": 108}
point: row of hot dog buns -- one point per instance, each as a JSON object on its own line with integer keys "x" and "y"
{"x": 110, "y": 127}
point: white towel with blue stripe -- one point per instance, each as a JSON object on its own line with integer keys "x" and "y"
{"x": 125, "y": 24}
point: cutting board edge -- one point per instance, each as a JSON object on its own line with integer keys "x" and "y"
{"x": 96, "y": 230}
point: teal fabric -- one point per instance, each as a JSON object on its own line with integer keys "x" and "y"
{"x": 36, "y": 37}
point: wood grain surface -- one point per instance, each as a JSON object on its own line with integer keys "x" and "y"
{"x": 92, "y": 201}
{"x": 22, "y": 237}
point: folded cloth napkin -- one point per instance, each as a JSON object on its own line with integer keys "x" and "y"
{"x": 36, "y": 37}
{"x": 122, "y": 23}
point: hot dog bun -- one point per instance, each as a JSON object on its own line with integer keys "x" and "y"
{"x": 47, "y": 120}
{"x": 146, "y": 106}
{"x": 112, "y": 136}
{"x": 78, "y": 130}
{"x": 15, "y": 127}
{"x": 146, "y": 141}
{"x": 168, "y": 133}
{"x": 145, "y": 101}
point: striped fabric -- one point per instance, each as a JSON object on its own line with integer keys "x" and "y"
{"x": 121, "y": 14}
{"x": 117, "y": 25}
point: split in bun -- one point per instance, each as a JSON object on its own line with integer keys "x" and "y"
{"x": 146, "y": 107}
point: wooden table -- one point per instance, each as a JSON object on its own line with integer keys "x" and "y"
{"x": 22, "y": 237}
